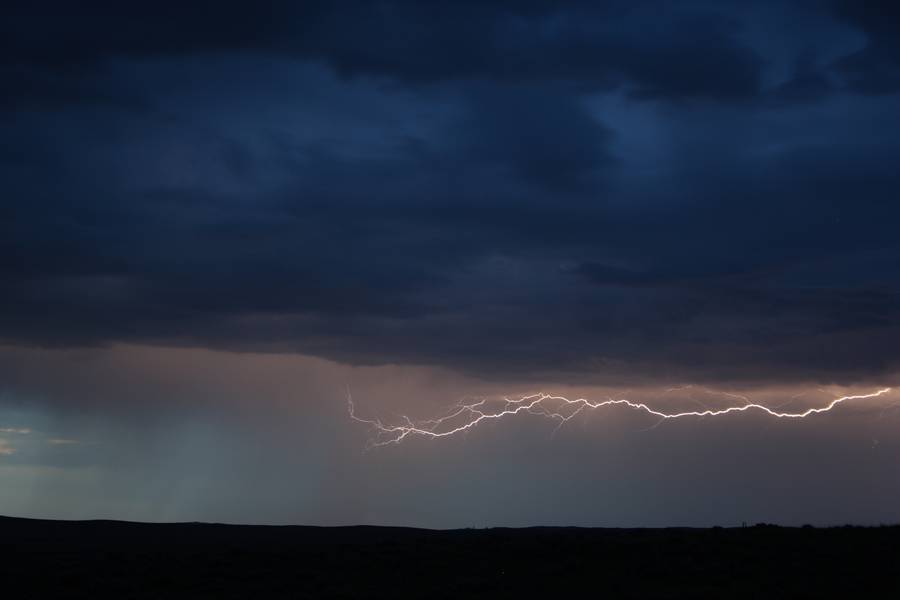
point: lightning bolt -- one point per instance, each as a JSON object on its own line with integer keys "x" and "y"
{"x": 466, "y": 416}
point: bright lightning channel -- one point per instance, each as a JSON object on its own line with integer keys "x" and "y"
{"x": 561, "y": 409}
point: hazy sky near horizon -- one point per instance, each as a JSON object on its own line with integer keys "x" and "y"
{"x": 217, "y": 218}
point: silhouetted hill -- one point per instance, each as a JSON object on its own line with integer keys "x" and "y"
{"x": 90, "y": 559}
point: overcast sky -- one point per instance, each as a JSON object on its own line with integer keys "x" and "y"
{"x": 216, "y": 217}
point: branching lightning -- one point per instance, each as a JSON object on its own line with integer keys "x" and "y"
{"x": 466, "y": 416}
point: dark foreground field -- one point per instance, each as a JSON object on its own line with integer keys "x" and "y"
{"x": 92, "y": 559}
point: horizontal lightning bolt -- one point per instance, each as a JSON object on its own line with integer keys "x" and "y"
{"x": 470, "y": 415}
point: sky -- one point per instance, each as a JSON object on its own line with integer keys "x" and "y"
{"x": 222, "y": 222}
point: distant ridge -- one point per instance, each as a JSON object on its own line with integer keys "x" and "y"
{"x": 8, "y": 518}
{"x": 116, "y": 559}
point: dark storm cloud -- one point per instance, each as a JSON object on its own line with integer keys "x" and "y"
{"x": 625, "y": 190}
{"x": 874, "y": 69}
{"x": 655, "y": 50}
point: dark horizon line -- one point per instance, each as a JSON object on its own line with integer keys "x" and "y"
{"x": 5, "y": 519}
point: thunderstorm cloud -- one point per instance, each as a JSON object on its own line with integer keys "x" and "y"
{"x": 243, "y": 207}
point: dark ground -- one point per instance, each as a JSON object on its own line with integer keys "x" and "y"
{"x": 91, "y": 559}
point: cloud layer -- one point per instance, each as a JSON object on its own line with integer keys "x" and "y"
{"x": 616, "y": 191}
